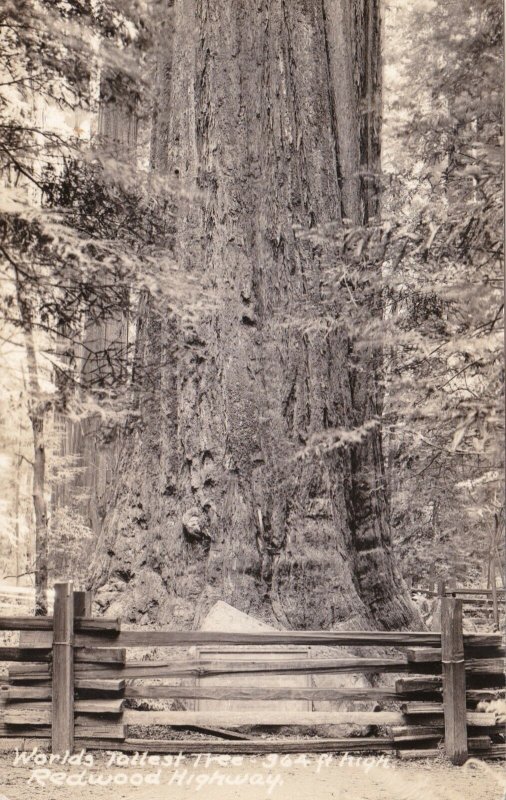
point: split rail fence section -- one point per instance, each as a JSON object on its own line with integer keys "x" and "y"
{"x": 71, "y": 686}
{"x": 491, "y": 602}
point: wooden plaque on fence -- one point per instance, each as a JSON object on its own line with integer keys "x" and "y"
{"x": 254, "y": 680}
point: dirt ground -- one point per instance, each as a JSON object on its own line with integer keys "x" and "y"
{"x": 342, "y": 776}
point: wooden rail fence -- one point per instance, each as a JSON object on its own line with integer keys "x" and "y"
{"x": 71, "y": 685}
{"x": 491, "y": 600}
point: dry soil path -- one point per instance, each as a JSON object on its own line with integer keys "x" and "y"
{"x": 254, "y": 779}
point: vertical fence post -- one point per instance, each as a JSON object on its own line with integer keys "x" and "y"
{"x": 62, "y": 730}
{"x": 438, "y": 594}
{"x": 454, "y": 680}
{"x": 82, "y": 604}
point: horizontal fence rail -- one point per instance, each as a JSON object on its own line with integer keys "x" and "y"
{"x": 206, "y": 668}
{"x": 459, "y": 592}
{"x": 42, "y": 638}
{"x": 97, "y": 626}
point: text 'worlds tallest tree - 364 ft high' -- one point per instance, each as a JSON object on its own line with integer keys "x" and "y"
{"x": 269, "y": 124}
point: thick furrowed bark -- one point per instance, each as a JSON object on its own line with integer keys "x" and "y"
{"x": 237, "y": 502}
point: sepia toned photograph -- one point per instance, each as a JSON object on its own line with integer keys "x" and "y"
{"x": 252, "y": 524}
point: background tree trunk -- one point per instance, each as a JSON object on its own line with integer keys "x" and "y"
{"x": 89, "y": 448}
{"x": 273, "y": 120}
{"x": 38, "y": 407}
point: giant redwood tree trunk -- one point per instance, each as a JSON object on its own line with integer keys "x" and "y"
{"x": 273, "y": 124}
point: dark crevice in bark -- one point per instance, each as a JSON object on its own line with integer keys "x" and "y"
{"x": 334, "y": 112}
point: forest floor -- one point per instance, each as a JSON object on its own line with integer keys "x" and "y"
{"x": 322, "y": 777}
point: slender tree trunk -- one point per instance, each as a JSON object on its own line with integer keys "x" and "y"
{"x": 37, "y": 419}
{"x": 37, "y": 412}
{"x": 17, "y": 496}
{"x": 273, "y": 125}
